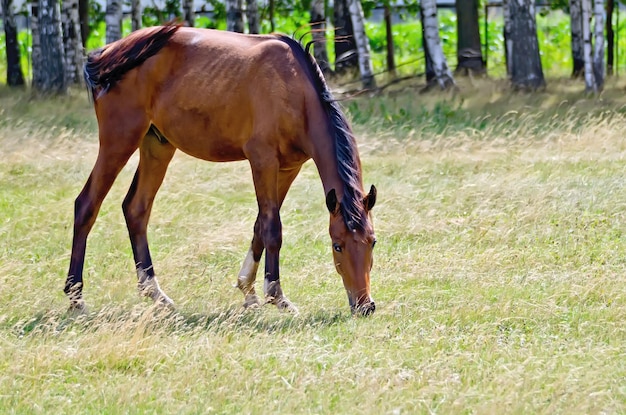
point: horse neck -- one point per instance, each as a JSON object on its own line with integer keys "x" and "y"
{"x": 325, "y": 158}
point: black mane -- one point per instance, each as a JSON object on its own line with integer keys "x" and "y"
{"x": 351, "y": 205}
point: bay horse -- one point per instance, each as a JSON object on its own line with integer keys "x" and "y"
{"x": 222, "y": 96}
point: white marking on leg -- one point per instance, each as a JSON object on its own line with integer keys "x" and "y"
{"x": 247, "y": 274}
{"x": 149, "y": 287}
{"x": 246, "y": 278}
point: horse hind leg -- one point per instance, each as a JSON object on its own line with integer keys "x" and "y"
{"x": 155, "y": 155}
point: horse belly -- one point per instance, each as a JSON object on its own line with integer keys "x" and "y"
{"x": 205, "y": 133}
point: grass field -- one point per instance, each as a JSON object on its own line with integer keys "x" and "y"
{"x": 499, "y": 272}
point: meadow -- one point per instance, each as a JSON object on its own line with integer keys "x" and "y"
{"x": 498, "y": 275}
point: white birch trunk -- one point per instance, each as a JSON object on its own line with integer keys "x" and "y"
{"x": 576, "y": 25}
{"x": 252, "y": 13}
{"x": 590, "y": 82}
{"x": 135, "y": 15}
{"x": 189, "y": 14}
{"x": 362, "y": 44}
{"x": 431, "y": 33}
{"x": 72, "y": 42}
{"x": 598, "y": 44}
{"x": 48, "y": 55}
{"x": 113, "y": 19}
{"x": 234, "y": 16}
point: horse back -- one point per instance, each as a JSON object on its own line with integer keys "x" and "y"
{"x": 211, "y": 92}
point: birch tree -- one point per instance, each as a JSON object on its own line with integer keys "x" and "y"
{"x": 15, "y": 76}
{"x": 443, "y": 76}
{"x": 72, "y": 42}
{"x": 252, "y": 13}
{"x": 113, "y": 19}
{"x": 47, "y": 48}
{"x": 234, "y": 16}
{"x": 135, "y": 15}
{"x": 362, "y": 44}
{"x": 318, "y": 31}
{"x": 593, "y": 50}
{"x": 590, "y": 82}
{"x": 598, "y": 45}
{"x": 610, "y": 37}
{"x": 576, "y": 27}
{"x": 189, "y": 14}
{"x": 523, "y": 46}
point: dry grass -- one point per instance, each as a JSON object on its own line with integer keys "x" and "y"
{"x": 499, "y": 273}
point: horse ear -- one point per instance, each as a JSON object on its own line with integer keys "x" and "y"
{"x": 331, "y": 201}
{"x": 370, "y": 200}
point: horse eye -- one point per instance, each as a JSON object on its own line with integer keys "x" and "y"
{"x": 337, "y": 247}
{"x": 374, "y": 244}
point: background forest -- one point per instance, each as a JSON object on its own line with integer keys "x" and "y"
{"x": 469, "y": 34}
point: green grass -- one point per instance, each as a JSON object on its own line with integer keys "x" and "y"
{"x": 498, "y": 275}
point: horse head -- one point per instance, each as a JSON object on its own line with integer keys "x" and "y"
{"x": 353, "y": 251}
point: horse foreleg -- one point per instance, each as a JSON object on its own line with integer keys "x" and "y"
{"x": 86, "y": 207}
{"x": 154, "y": 157}
{"x": 268, "y": 235}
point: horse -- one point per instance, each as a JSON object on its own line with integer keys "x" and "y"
{"x": 222, "y": 96}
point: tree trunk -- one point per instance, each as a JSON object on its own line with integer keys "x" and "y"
{"x": 72, "y": 42}
{"x": 469, "y": 53}
{"x": 428, "y": 62}
{"x": 577, "y": 38}
{"x": 47, "y": 48}
{"x": 362, "y": 44}
{"x": 113, "y": 20}
{"x": 135, "y": 15}
{"x": 508, "y": 40}
{"x": 83, "y": 18}
{"x": 15, "y": 76}
{"x": 610, "y": 37}
{"x": 598, "y": 45}
{"x": 234, "y": 16}
{"x": 443, "y": 75}
{"x": 346, "y": 58}
{"x": 252, "y": 13}
{"x": 270, "y": 11}
{"x": 391, "y": 60}
{"x": 526, "y": 70}
{"x": 590, "y": 82}
{"x": 318, "y": 31}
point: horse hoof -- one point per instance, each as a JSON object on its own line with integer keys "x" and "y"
{"x": 285, "y": 305}
{"x": 164, "y": 301}
{"x": 252, "y": 301}
{"x": 77, "y": 307}
{"x": 150, "y": 288}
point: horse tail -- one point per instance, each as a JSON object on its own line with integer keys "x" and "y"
{"x": 346, "y": 152}
{"x": 107, "y": 66}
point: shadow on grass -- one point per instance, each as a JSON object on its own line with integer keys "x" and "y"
{"x": 152, "y": 319}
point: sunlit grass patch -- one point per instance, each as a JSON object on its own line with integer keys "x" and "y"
{"x": 498, "y": 273}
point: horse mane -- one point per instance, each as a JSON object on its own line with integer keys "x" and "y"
{"x": 106, "y": 66}
{"x": 351, "y": 206}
